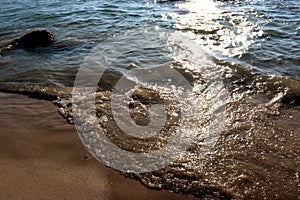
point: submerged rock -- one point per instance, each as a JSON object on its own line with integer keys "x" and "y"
{"x": 34, "y": 39}
{"x": 147, "y": 96}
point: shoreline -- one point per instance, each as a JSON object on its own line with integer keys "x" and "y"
{"x": 41, "y": 156}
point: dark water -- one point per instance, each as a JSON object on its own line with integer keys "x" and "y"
{"x": 246, "y": 51}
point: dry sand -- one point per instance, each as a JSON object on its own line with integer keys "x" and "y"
{"x": 41, "y": 157}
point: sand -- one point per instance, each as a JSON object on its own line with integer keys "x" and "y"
{"x": 42, "y": 157}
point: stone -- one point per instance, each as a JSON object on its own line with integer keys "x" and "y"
{"x": 34, "y": 39}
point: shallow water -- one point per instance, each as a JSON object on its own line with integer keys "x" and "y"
{"x": 241, "y": 60}
{"x": 260, "y": 36}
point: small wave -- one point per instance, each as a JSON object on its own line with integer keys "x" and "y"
{"x": 36, "y": 91}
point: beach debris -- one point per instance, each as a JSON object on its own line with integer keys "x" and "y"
{"x": 34, "y": 39}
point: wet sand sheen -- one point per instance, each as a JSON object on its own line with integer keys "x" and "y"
{"x": 41, "y": 156}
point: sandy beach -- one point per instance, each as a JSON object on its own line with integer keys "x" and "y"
{"x": 41, "y": 157}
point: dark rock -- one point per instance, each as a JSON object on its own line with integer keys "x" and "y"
{"x": 34, "y": 39}
{"x": 146, "y": 96}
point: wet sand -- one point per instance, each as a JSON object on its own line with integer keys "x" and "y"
{"x": 41, "y": 157}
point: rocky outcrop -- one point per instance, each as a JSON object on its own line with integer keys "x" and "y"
{"x": 34, "y": 39}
